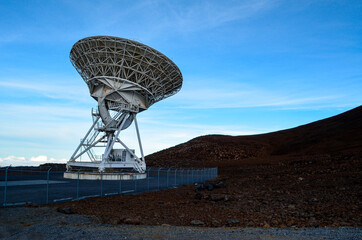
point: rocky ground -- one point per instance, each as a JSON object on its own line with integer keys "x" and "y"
{"x": 48, "y": 223}
{"x": 323, "y": 191}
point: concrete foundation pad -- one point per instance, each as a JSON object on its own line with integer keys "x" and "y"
{"x": 104, "y": 176}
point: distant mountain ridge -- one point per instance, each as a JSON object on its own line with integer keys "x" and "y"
{"x": 340, "y": 134}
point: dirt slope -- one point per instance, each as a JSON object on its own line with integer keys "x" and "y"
{"x": 335, "y": 135}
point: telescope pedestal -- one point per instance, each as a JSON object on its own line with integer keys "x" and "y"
{"x": 108, "y": 166}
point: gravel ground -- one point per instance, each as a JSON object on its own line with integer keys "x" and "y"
{"x": 46, "y": 223}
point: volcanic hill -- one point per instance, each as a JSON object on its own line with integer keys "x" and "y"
{"x": 341, "y": 134}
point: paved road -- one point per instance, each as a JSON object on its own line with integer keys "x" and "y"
{"x": 34, "y": 188}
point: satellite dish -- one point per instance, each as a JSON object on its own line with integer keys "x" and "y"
{"x": 125, "y": 77}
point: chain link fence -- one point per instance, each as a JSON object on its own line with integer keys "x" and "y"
{"x": 42, "y": 187}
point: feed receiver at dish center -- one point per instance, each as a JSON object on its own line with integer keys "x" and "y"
{"x": 125, "y": 77}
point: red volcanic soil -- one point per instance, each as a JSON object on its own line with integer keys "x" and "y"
{"x": 305, "y": 176}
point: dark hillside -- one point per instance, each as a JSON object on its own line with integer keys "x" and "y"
{"x": 341, "y": 134}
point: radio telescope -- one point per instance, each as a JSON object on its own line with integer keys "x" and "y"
{"x": 125, "y": 77}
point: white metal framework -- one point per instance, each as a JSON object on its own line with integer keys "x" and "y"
{"x": 125, "y": 77}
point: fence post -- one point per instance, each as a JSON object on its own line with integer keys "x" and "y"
{"x": 78, "y": 185}
{"x": 192, "y": 176}
{"x": 168, "y": 170}
{"x": 190, "y": 180}
{"x": 6, "y": 185}
{"x": 158, "y": 180}
{"x": 135, "y": 184}
{"x": 188, "y": 176}
{"x": 47, "y": 200}
{"x": 148, "y": 178}
{"x": 120, "y": 181}
{"x": 183, "y": 177}
{"x": 176, "y": 177}
{"x": 101, "y": 184}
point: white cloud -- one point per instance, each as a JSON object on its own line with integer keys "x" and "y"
{"x": 41, "y": 158}
{"x": 12, "y": 158}
{"x": 23, "y": 161}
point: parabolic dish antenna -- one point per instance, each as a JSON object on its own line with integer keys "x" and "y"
{"x": 125, "y": 77}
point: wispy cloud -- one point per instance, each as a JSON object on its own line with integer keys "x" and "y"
{"x": 113, "y": 17}
{"x": 44, "y": 112}
{"x": 213, "y": 93}
{"x": 206, "y": 15}
{"x": 48, "y": 90}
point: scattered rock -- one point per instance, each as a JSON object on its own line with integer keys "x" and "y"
{"x": 30, "y": 204}
{"x": 215, "y": 221}
{"x": 209, "y": 186}
{"x": 115, "y": 221}
{"x": 133, "y": 221}
{"x": 65, "y": 210}
{"x": 290, "y": 223}
{"x": 233, "y": 221}
{"x": 226, "y": 198}
{"x": 198, "y": 196}
{"x": 219, "y": 185}
{"x": 217, "y": 197}
{"x": 196, "y": 223}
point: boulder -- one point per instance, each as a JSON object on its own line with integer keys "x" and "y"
{"x": 196, "y": 223}
{"x": 65, "y": 210}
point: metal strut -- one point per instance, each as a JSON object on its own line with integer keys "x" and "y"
{"x": 72, "y": 158}
{"x": 111, "y": 140}
{"x": 139, "y": 138}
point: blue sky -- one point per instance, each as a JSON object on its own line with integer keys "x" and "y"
{"x": 248, "y": 66}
